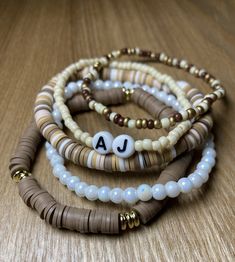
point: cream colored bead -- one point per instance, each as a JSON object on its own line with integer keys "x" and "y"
{"x": 164, "y": 141}
{"x": 92, "y": 104}
{"x": 138, "y": 146}
{"x": 84, "y": 136}
{"x": 78, "y": 134}
{"x": 157, "y": 146}
{"x": 165, "y": 122}
{"x": 147, "y": 144}
{"x": 112, "y": 115}
{"x": 88, "y": 141}
{"x": 131, "y": 123}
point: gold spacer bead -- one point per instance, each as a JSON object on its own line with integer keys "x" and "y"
{"x": 130, "y": 221}
{"x": 169, "y": 61}
{"x": 126, "y": 120}
{"x": 144, "y": 123}
{"x": 172, "y": 121}
{"x": 97, "y": 66}
{"x": 19, "y": 175}
{"x": 123, "y": 222}
{"x": 157, "y": 124}
{"x": 135, "y": 218}
{"x": 191, "y": 113}
{"x": 196, "y": 72}
{"x": 138, "y": 123}
{"x": 200, "y": 109}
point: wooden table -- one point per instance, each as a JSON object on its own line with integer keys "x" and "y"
{"x": 40, "y": 38}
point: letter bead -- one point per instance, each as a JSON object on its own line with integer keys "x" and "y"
{"x": 123, "y": 146}
{"x": 102, "y": 142}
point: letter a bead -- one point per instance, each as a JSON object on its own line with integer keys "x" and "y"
{"x": 102, "y": 142}
{"x": 123, "y": 146}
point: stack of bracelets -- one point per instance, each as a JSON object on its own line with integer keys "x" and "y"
{"x": 96, "y": 84}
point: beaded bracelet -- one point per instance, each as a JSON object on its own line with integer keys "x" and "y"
{"x": 86, "y": 138}
{"x": 130, "y": 195}
{"x": 80, "y": 219}
{"x": 80, "y": 154}
{"x": 190, "y": 113}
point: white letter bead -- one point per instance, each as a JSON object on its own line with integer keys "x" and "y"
{"x": 123, "y": 146}
{"x": 102, "y": 142}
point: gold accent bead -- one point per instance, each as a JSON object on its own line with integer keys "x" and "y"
{"x": 129, "y": 220}
{"x": 157, "y": 124}
{"x": 138, "y": 123}
{"x": 191, "y": 113}
{"x": 169, "y": 61}
{"x": 172, "y": 121}
{"x": 196, "y": 72}
{"x": 144, "y": 123}
{"x": 97, "y": 66}
{"x": 126, "y": 120}
{"x": 19, "y": 175}
{"x": 200, "y": 109}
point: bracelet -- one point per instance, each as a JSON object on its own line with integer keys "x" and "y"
{"x": 80, "y": 219}
{"x": 190, "y": 113}
{"x": 86, "y": 138}
{"x": 80, "y": 154}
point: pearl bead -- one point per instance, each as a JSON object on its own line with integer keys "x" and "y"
{"x": 144, "y": 192}
{"x": 72, "y": 87}
{"x": 130, "y": 195}
{"x": 71, "y": 182}
{"x": 80, "y": 189}
{"x": 103, "y": 194}
{"x": 123, "y": 146}
{"x": 58, "y": 169}
{"x": 56, "y": 159}
{"x": 117, "y": 84}
{"x": 91, "y": 192}
{"x": 204, "y": 174}
{"x": 196, "y": 180}
{"x": 116, "y": 195}
{"x": 50, "y": 152}
{"x": 172, "y": 189}
{"x": 102, "y": 142}
{"x": 209, "y": 151}
{"x": 204, "y": 166}
{"x": 159, "y": 192}
{"x": 68, "y": 93}
{"x": 98, "y": 84}
{"x": 185, "y": 185}
{"x": 209, "y": 159}
{"x": 108, "y": 84}
{"x": 64, "y": 176}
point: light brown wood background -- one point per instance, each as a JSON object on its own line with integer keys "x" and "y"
{"x": 40, "y": 38}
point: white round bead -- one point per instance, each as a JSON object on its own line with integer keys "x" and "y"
{"x": 58, "y": 169}
{"x": 98, "y": 84}
{"x": 209, "y": 151}
{"x": 204, "y": 174}
{"x": 71, "y": 182}
{"x": 209, "y": 159}
{"x": 91, "y": 192}
{"x": 204, "y": 166}
{"x": 102, "y": 142}
{"x": 116, "y": 195}
{"x": 103, "y": 194}
{"x": 56, "y": 159}
{"x": 172, "y": 189}
{"x": 130, "y": 195}
{"x": 196, "y": 179}
{"x": 64, "y": 176}
{"x": 185, "y": 185}
{"x": 80, "y": 189}
{"x": 159, "y": 192}
{"x": 123, "y": 146}
{"x": 144, "y": 192}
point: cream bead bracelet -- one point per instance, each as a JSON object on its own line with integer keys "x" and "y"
{"x": 147, "y": 144}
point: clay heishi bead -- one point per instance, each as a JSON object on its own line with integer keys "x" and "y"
{"x": 123, "y": 146}
{"x": 102, "y": 142}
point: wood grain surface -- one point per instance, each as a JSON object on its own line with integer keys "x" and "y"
{"x": 40, "y": 38}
